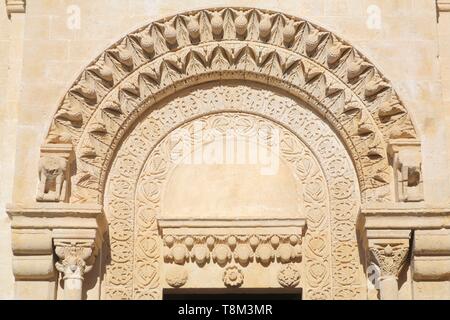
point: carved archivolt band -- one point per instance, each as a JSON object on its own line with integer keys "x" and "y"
{"x": 218, "y": 44}
{"x": 331, "y": 264}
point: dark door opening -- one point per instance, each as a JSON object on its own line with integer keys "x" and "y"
{"x": 225, "y": 294}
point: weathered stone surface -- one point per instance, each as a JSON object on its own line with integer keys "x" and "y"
{"x": 224, "y": 147}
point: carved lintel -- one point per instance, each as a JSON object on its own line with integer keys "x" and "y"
{"x": 15, "y": 6}
{"x": 406, "y": 161}
{"x": 204, "y": 241}
{"x": 54, "y": 173}
{"x": 76, "y": 257}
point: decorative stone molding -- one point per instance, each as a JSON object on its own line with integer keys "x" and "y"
{"x": 15, "y": 6}
{"x": 431, "y": 255}
{"x": 203, "y": 241}
{"x": 73, "y": 232}
{"x": 388, "y": 250}
{"x": 54, "y": 173}
{"x": 403, "y": 216}
{"x": 389, "y": 256}
{"x": 443, "y": 5}
{"x": 407, "y": 164}
{"x": 229, "y": 43}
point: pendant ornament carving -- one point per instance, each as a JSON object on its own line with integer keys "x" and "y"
{"x": 176, "y": 276}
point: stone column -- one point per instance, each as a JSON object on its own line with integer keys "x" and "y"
{"x": 75, "y": 260}
{"x": 73, "y": 231}
{"x": 390, "y": 256}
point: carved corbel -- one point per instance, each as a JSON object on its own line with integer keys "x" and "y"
{"x": 76, "y": 257}
{"x": 54, "y": 173}
{"x": 389, "y": 251}
{"x": 407, "y": 164}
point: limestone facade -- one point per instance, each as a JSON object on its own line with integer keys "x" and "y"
{"x": 226, "y": 145}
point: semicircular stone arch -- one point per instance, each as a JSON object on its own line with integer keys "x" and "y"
{"x": 202, "y": 46}
{"x": 328, "y": 189}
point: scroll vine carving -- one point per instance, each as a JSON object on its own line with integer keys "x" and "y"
{"x": 329, "y": 270}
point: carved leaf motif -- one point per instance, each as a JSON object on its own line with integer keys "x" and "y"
{"x": 220, "y": 60}
{"x": 277, "y": 31}
{"x": 194, "y": 65}
{"x": 182, "y": 33}
{"x": 160, "y": 42}
{"x": 229, "y": 31}
{"x": 205, "y": 27}
{"x": 253, "y": 26}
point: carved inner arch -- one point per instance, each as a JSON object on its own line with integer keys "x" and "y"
{"x": 294, "y": 227}
{"x": 129, "y": 131}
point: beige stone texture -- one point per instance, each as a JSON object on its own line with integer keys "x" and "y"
{"x": 46, "y": 47}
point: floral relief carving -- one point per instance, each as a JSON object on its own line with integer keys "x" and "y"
{"x": 318, "y": 244}
{"x": 74, "y": 255}
{"x": 390, "y": 257}
{"x": 289, "y": 276}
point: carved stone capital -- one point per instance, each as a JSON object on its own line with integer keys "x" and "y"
{"x": 76, "y": 257}
{"x": 389, "y": 257}
{"x": 203, "y": 241}
{"x": 389, "y": 254}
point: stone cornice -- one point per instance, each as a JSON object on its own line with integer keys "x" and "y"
{"x": 404, "y": 216}
{"x": 57, "y": 216}
{"x": 54, "y": 210}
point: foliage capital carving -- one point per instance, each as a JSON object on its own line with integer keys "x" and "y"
{"x": 389, "y": 255}
{"x": 76, "y": 257}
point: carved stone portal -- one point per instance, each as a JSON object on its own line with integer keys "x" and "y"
{"x": 152, "y": 122}
{"x": 156, "y": 169}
